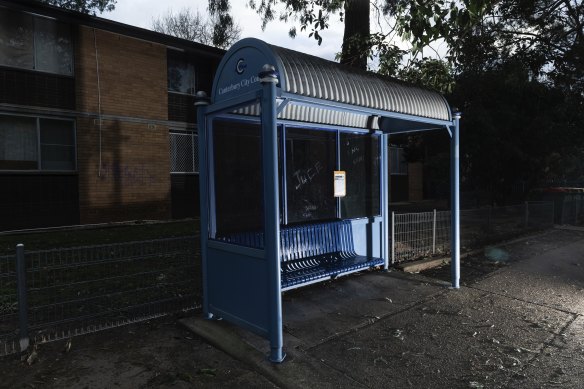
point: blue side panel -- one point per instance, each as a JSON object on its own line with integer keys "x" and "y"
{"x": 367, "y": 237}
{"x": 238, "y": 287}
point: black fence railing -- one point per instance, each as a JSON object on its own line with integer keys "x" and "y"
{"x": 73, "y": 291}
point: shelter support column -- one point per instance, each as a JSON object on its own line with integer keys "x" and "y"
{"x": 455, "y": 200}
{"x": 385, "y": 177}
{"x": 201, "y": 103}
{"x": 268, "y": 78}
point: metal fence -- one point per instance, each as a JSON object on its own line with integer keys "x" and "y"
{"x": 55, "y": 294}
{"x": 425, "y": 234}
{"x": 73, "y": 291}
{"x": 573, "y": 210}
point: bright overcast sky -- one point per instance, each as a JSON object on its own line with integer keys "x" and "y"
{"x": 141, "y": 12}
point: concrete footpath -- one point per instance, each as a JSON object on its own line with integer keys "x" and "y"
{"x": 520, "y": 325}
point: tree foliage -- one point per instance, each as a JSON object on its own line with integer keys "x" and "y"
{"x": 196, "y": 27}
{"x": 223, "y": 21}
{"x": 84, "y": 6}
{"x": 514, "y": 67}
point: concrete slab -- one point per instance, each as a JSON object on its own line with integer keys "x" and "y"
{"x": 314, "y": 315}
{"x": 298, "y": 370}
{"x": 460, "y": 339}
{"x": 554, "y": 278}
{"x": 425, "y": 264}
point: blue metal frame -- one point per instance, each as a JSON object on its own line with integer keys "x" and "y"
{"x": 269, "y": 79}
{"x": 202, "y": 105}
{"x": 385, "y": 177}
{"x": 336, "y": 106}
{"x": 259, "y": 270}
{"x": 455, "y": 200}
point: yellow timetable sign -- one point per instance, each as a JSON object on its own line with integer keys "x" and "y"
{"x": 340, "y": 183}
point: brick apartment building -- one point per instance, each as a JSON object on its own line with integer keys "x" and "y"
{"x": 97, "y": 122}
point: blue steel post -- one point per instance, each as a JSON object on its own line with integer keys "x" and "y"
{"x": 22, "y": 297}
{"x": 201, "y": 102}
{"x": 385, "y": 198}
{"x": 455, "y": 200}
{"x": 269, "y": 79}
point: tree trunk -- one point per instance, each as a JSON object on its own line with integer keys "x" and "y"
{"x": 355, "y": 46}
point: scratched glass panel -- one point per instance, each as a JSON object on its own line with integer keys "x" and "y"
{"x": 360, "y": 161}
{"x": 310, "y": 163}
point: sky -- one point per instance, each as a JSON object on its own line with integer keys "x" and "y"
{"x": 140, "y": 13}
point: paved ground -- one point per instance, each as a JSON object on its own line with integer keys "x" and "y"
{"x": 518, "y": 323}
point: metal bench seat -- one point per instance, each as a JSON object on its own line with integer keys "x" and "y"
{"x": 313, "y": 252}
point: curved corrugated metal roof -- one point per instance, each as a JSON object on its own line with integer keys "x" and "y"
{"x": 311, "y": 76}
{"x": 325, "y": 92}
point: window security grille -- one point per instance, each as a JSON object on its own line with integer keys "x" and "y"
{"x": 184, "y": 152}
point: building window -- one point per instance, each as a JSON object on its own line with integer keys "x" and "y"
{"x": 184, "y": 152}
{"x": 181, "y": 73}
{"x": 35, "y": 43}
{"x": 29, "y": 143}
{"x": 398, "y": 166}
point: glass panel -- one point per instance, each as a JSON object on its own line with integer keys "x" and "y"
{"x": 397, "y": 161}
{"x": 238, "y": 177}
{"x": 18, "y": 143}
{"x": 360, "y": 160}
{"x": 310, "y": 163}
{"x": 16, "y": 39}
{"x": 57, "y": 157}
{"x": 181, "y": 75}
{"x": 53, "y": 47}
{"x": 57, "y": 145}
{"x": 181, "y": 152}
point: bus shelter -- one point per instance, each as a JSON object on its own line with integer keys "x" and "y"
{"x": 293, "y": 162}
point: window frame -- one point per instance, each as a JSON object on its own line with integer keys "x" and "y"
{"x": 35, "y": 69}
{"x": 38, "y": 144}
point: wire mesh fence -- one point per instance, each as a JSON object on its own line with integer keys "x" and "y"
{"x": 8, "y": 306}
{"x": 425, "y": 234}
{"x": 80, "y": 290}
{"x": 420, "y": 234}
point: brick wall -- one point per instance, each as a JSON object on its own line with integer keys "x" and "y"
{"x": 133, "y": 180}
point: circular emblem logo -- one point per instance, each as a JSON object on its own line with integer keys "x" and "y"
{"x": 240, "y": 67}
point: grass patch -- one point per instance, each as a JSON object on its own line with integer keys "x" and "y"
{"x": 96, "y": 236}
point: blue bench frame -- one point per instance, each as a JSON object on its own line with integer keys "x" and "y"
{"x": 312, "y": 252}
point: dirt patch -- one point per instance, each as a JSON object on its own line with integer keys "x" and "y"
{"x": 157, "y": 353}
